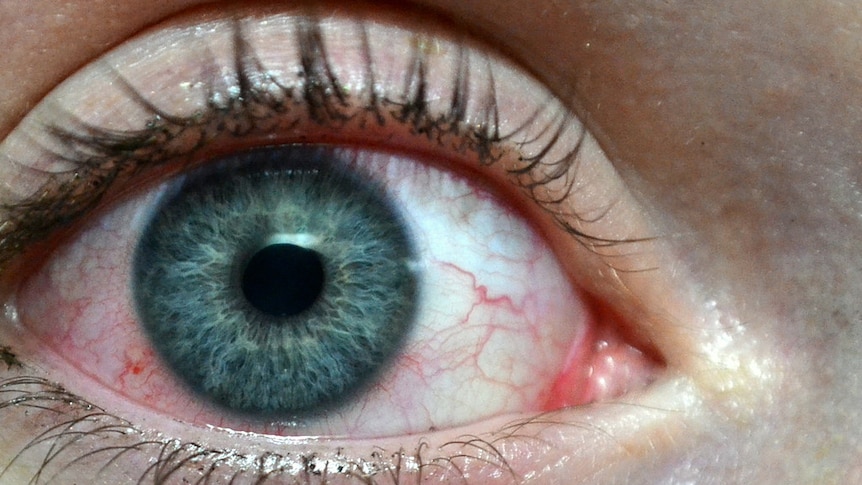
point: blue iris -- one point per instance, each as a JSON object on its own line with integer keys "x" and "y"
{"x": 275, "y": 283}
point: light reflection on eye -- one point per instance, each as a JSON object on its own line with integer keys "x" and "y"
{"x": 337, "y": 83}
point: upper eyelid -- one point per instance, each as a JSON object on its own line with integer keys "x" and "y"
{"x": 91, "y": 148}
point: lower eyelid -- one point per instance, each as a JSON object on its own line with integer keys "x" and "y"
{"x": 537, "y": 446}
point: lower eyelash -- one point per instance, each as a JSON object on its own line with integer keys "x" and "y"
{"x": 83, "y": 436}
{"x": 102, "y": 158}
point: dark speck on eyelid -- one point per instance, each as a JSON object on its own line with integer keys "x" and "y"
{"x": 9, "y": 358}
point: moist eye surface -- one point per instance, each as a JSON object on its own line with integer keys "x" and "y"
{"x": 275, "y": 282}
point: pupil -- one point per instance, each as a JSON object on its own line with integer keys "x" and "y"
{"x": 283, "y": 279}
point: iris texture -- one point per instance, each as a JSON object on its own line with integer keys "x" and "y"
{"x": 218, "y": 260}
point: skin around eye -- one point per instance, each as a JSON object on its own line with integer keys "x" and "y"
{"x": 151, "y": 109}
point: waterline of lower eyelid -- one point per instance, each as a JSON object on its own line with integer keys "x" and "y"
{"x": 543, "y": 447}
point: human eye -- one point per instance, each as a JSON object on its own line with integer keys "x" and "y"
{"x": 198, "y": 111}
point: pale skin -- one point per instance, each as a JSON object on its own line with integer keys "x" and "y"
{"x": 735, "y": 125}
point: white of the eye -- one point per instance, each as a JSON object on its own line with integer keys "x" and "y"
{"x": 497, "y": 315}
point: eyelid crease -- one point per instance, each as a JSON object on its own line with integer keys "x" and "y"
{"x": 98, "y": 158}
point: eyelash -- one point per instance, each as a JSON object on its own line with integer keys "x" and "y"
{"x": 102, "y": 158}
{"x": 87, "y": 424}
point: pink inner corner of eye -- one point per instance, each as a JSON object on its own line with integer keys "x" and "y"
{"x": 602, "y": 366}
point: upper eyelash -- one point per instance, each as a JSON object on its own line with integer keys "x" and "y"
{"x": 102, "y": 156}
